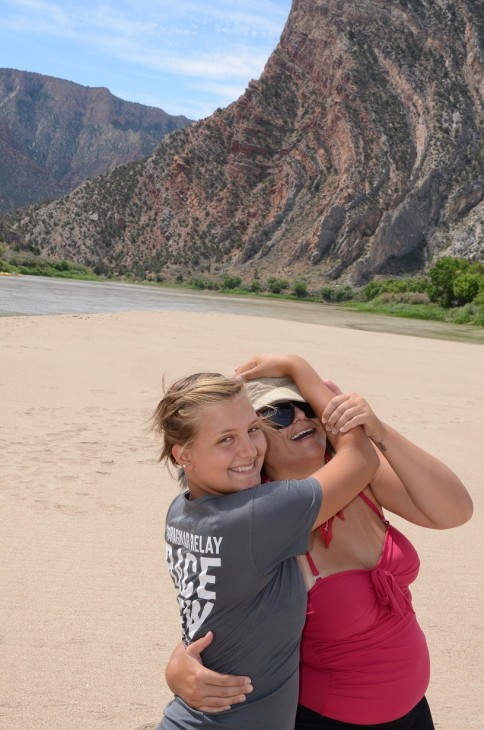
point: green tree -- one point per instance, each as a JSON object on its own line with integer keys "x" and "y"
{"x": 466, "y": 287}
{"x": 442, "y": 275}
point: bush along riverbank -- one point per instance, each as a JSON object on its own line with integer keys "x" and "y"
{"x": 32, "y": 265}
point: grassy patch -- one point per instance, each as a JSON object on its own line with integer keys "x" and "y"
{"x": 399, "y": 309}
{"x": 33, "y": 265}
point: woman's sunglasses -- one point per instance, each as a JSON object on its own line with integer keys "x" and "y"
{"x": 281, "y": 415}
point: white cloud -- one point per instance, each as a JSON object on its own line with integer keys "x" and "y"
{"x": 114, "y": 30}
{"x": 227, "y": 93}
{"x": 216, "y": 46}
{"x": 218, "y": 66}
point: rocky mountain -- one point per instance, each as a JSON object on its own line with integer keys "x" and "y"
{"x": 358, "y": 151}
{"x": 54, "y": 134}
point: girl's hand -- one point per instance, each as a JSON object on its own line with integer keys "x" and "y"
{"x": 266, "y": 366}
{"x": 347, "y": 410}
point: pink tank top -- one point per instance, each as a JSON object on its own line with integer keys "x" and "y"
{"x": 364, "y": 658}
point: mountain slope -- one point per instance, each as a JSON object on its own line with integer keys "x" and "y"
{"x": 358, "y": 151}
{"x": 54, "y": 134}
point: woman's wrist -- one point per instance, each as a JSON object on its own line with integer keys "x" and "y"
{"x": 379, "y": 439}
{"x": 381, "y": 445}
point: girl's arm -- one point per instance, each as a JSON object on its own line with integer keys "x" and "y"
{"x": 410, "y": 482}
{"x": 355, "y": 462}
{"x": 198, "y": 686}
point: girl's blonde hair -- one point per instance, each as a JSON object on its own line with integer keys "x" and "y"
{"x": 177, "y": 416}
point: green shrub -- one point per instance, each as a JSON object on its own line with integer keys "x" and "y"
{"x": 326, "y": 293}
{"x": 478, "y": 316}
{"x": 341, "y": 293}
{"x": 300, "y": 289}
{"x": 418, "y": 284}
{"x": 276, "y": 286}
{"x": 468, "y": 314}
{"x": 406, "y": 297}
{"x": 198, "y": 283}
{"x": 479, "y": 299}
{"x": 230, "y": 282}
{"x": 371, "y": 290}
{"x": 61, "y": 265}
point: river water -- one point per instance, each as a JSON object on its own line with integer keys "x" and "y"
{"x": 36, "y": 295}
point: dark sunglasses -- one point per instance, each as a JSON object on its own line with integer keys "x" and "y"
{"x": 281, "y": 415}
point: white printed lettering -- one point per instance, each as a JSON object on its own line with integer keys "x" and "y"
{"x": 194, "y": 618}
{"x": 205, "y": 577}
{"x": 190, "y": 567}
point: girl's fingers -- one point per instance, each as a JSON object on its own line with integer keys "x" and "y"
{"x": 334, "y": 408}
{"x": 340, "y": 420}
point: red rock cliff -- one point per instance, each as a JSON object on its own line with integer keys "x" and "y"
{"x": 358, "y": 151}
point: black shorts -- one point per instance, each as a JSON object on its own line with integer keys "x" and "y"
{"x": 419, "y": 718}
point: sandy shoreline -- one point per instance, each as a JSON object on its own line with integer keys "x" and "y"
{"x": 87, "y": 609}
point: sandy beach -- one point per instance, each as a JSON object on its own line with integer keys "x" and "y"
{"x": 87, "y": 610}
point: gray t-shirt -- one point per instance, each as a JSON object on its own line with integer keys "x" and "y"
{"x": 232, "y": 559}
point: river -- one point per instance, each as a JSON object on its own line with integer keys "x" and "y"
{"x": 37, "y": 295}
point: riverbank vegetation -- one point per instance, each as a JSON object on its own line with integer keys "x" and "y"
{"x": 33, "y": 265}
{"x": 451, "y": 291}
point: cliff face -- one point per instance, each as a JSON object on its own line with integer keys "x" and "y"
{"x": 54, "y": 134}
{"x": 358, "y": 151}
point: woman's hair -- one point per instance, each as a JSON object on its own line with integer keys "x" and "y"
{"x": 177, "y": 416}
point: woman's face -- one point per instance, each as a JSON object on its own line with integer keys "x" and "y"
{"x": 297, "y": 451}
{"x": 227, "y": 454}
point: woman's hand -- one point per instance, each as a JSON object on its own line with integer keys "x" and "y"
{"x": 198, "y": 686}
{"x": 348, "y": 410}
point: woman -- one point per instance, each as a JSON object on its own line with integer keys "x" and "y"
{"x": 230, "y": 570}
{"x": 364, "y": 659}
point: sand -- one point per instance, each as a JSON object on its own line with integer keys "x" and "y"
{"x": 88, "y": 612}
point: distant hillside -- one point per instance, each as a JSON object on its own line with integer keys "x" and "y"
{"x": 54, "y": 134}
{"x": 358, "y": 152}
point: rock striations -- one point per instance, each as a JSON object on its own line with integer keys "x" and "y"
{"x": 54, "y": 134}
{"x": 358, "y": 151}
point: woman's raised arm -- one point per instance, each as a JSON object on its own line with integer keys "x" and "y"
{"x": 410, "y": 482}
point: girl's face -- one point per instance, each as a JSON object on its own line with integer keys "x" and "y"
{"x": 297, "y": 451}
{"x": 227, "y": 454}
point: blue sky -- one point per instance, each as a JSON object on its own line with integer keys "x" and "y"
{"x": 185, "y": 56}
